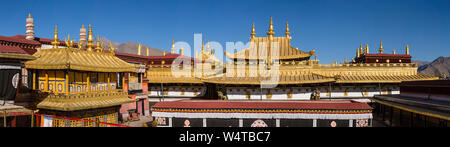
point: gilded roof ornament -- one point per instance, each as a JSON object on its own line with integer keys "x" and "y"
{"x": 367, "y": 48}
{"x": 29, "y": 15}
{"x": 111, "y": 48}
{"x": 148, "y": 51}
{"x": 407, "y": 49}
{"x": 203, "y": 46}
{"x": 393, "y": 52}
{"x": 139, "y": 49}
{"x": 271, "y": 32}
{"x": 287, "y": 31}
{"x": 253, "y": 31}
{"x": 357, "y": 52}
{"x": 98, "y": 45}
{"x": 208, "y": 49}
{"x": 173, "y": 46}
{"x": 55, "y": 42}
{"x": 90, "y": 39}
{"x": 381, "y": 47}
{"x": 181, "y": 51}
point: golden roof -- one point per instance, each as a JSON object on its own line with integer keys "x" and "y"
{"x": 286, "y": 51}
{"x": 283, "y": 79}
{"x": 76, "y": 59}
{"x": 299, "y": 73}
{"x": 165, "y": 75}
{"x": 384, "y": 78}
{"x": 80, "y": 102}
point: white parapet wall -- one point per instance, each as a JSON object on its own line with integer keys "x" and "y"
{"x": 304, "y": 93}
{"x": 177, "y": 91}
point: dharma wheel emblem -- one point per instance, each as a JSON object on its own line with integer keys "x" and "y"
{"x": 333, "y": 123}
{"x": 259, "y": 123}
{"x": 362, "y": 123}
{"x": 187, "y": 123}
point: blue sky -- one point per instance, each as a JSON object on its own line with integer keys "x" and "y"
{"x": 335, "y": 28}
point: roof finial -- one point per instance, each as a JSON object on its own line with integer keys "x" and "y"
{"x": 287, "y": 30}
{"x": 164, "y": 52}
{"x": 381, "y": 47}
{"x": 111, "y": 48}
{"x": 271, "y": 32}
{"x": 407, "y": 49}
{"x": 173, "y": 46}
{"x": 357, "y": 53}
{"x": 148, "y": 53}
{"x": 393, "y": 52}
{"x": 98, "y": 45}
{"x": 361, "y": 49}
{"x": 253, "y": 30}
{"x": 208, "y": 49}
{"x": 139, "y": 49}
{"x": 203, "y": 46}
{"x": 90, "y": 39}
{"x": 367, "y": 48}
{"x": 55, "y": 42}
{"x": 181, "y": 51}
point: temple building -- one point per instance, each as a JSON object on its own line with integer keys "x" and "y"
{"x": 168, "y": 80}
{"x": 297, "y": 77}
{"x": 13, "y": 111}
{"x": 137, "y": 84}
{"x": 419, "y": 104}
{"x": 77, "y": 83}
{"x": 238, "y": 113}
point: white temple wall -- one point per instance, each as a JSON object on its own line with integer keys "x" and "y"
{"x": 177, "y": 91}
{"x": 304, "y": 93}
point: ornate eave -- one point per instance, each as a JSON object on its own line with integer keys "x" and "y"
{"x": 85, "y": 101}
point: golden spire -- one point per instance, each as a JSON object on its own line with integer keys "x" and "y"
{"x": 345, "y": 60}
{"x": 181, "y": 51}
{"x": 367, "y": 48}
{"x": 164, "y": 52}
{"x": 407, "y": 49}
{"x": 287, "y": 30}
{"x": 148, "y": 53}
{"x": 111, "y": 48}
{"x": 357, "y": 53}
{"x": 253, "y": 30}
{"x": 207, "y": 47}
{"x": 360, "y": 49}
{"x": 212, "y": 51}
{"x": 98, "y": 45}
{"x": 381, "y": 47}
{"x": 393, "y": 52}
{"x": 271, "y": 32}
{"x": 139, "y": 49}
{"x": 203, "y": 46}
{"x": 90, "y": 39}
{"x": 55, "y": 42}
{"x": 315, "y": 56}
{"x": 29, "y": 15}
{"x": 173, "y": 46}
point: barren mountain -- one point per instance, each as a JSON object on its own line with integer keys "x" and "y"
{"x": 132, "y": 48}
{"x": 439, "y": 66}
